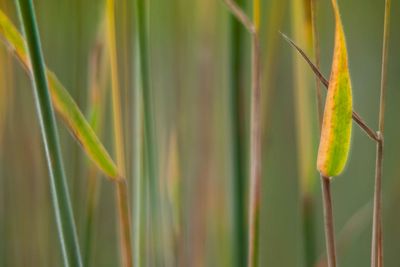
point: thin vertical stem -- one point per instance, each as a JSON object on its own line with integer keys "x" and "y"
{"x": 121, "y": 187}
{"x": 124, "y": 221}
{"x": 377, "y": 238}
{"x": 149, "y": 125}
{"x": 308, "y": 199}
{"x": 301, "y": 18}
{"x": 139, "y": 192}
{"x": 255, "y": 126}
{"x": 238, "y": 182}
{"x": 328, "y": 221}
{"x": 385, "y": 50}
{"x": 316, "y": 49}
{"x": 255, "y": 156}
{"x": 255, "y": 142}
{"x": 97, "y": 69}
{"x": 59, "y": 187}
{"x": 377, "y": 214}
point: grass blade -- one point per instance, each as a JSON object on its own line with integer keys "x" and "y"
{"x": 121, "y": 187}
{"x": 59, "y": 188}
{"x": 305, "y": 127}
{"x": 63, "y": 103}
{"x": 252, "y": 26}
{"x": 236, "y": 46}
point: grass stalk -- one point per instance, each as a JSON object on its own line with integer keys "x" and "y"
{"x": 139, "y": 189}
{"x": 94, "y": 185}
{"x": 377, "y": 238}
{"x": 308, "y": 199}
{"x": 316, "y": 49}
{"x": 351, "y": 231}
{"x": 121, "y": 187}
{"x": 255, "y": 156}
{"x": 328, "y": 221}
{"x": 150, "y": 140}
{"x": 97, "y": 70}
{"x": 59, "y": 188}
{"x": 255, "y": 127}
{"x": 304, "y": 126}
{"x": 236, "y": 45}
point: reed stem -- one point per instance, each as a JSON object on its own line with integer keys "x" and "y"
{"x": 122, "y": 196}
{"x": 236, "y": 45}
{"x": 139, "y": 185}
{"x": 328, "y": 221}
{"x": 255, "y": 156}
{"x": 316, "y": 49}
{"x": 255, "y": 126}
{"x": 149, "y": 129}
{"x": 377, "y": 238}
{"x": 59, "y": 188}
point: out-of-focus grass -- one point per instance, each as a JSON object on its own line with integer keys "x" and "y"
{"x": 188, "y": 54}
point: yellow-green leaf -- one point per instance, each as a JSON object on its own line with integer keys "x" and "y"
{"x": 63, "y": 103}
{"x": 336, "y": 127}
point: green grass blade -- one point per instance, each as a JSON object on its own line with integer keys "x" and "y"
{"x": 150, "y": 141}
{"x": 236, "y": 45}
{"x": 59, "y": 188}
{"x": 63, "y": 103}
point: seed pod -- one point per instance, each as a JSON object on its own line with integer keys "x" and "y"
{"x": 336, "y": 126}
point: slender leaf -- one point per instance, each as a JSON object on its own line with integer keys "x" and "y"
{"x": 336, "y": 127}
{"x": 63, "y": 103}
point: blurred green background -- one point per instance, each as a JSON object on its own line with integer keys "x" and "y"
{"x": 189, "y": 49}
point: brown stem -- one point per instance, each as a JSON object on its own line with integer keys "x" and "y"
{"x": 376, "y": 223}
{"x": 255, "y": 131}
{"x": 255, "y": 155}
{"x": 240, "y": 15}
{"x": 124, "y": 223}
{"x": 317, "y": 59}
{"x": 377, "y": 246}
{"x": 328, "y": 221}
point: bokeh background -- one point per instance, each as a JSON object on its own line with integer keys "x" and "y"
{"x": 189, "y": 47}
